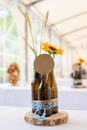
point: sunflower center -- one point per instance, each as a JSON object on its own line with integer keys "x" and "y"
{"x": 52, "y": 48}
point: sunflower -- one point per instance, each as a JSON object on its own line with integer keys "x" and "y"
{"x": 51, "y": 49}
{"x": 81, "y": 60}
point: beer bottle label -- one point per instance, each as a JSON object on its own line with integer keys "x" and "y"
{"x": 78, "y": 81}
{"x": 55, "y": 106}
{"x": 37, "y": 103}
{"x": 55, "y": 102}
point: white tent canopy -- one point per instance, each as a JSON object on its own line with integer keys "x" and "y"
{"x": 69, "y": 17}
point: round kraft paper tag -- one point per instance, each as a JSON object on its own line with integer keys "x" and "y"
{"x": 43, "y": 64}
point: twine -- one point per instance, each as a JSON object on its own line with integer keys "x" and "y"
{"x": 39, "y": 106}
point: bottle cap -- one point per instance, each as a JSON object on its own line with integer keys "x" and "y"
{"x": 43, "y": 64}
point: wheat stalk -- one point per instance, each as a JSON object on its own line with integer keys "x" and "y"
{"x": 44, "y": 28}
{"x": 46, "y": 19}
{"x": 29, "y": 45}
{"x": 30, "y": 27}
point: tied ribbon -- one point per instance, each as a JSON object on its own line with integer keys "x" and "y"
{"x": 39, "y": 106}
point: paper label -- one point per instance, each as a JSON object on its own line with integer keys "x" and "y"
{"x": 55, "y": 102}
{"x": 77, "y": 81}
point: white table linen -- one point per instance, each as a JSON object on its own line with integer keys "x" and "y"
{"x": 12, "y": 118}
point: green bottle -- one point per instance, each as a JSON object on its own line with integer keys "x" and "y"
{"x": 44, "y": 96}
{"x": 35, "y": 87}
{"x": 54, "y": 93}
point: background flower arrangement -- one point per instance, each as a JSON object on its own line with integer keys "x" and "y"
{"x": 13, "y": 73}
{"x": 81, "y": 60}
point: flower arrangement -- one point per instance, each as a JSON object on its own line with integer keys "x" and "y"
{"x": 13, "y": 73}
{"x": 81, "y": 60}
{"x": 51, "y": 49}
{"x": 48, "y": 102}
{"x": 32, "y": 47}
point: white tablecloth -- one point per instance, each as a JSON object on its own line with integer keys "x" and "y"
{"x": 15, "y": 95}
{"x": 72, "y": 98}
{"x": 12, "y": 118}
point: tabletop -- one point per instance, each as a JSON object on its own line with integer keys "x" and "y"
{"x": 12, "y": 118}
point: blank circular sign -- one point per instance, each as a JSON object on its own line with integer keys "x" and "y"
{"x": 43, "y": 64}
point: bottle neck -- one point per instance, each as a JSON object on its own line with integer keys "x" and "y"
{"x": 44, "y": 78}
{"x": 51, "y": 79}
{"x": 37, "y": 75}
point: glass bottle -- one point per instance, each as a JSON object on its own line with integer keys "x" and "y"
{"x": 34, "y": 88}
{"x": 77, "y": 76}
{"x": 44, "y": 96}
{"x": 80, "y": 71}
{"x": 54, "y": 93}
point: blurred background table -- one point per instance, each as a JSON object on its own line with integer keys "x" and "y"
{"x": 68, "y": 97}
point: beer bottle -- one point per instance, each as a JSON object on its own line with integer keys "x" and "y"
{"x": 54, "y": 94}
{"x": 44, "y": 95}
{"x": 77, "y": 76}
{"x": 80, "y": 71}
{"x": 80, "y": 74}
{"x": 34, "y": 87}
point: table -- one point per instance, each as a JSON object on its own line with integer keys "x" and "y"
{"x": 69, "y": 98}
{"x": 15, "y": 95}
{"x": 12, "y": 118}
{"x": 72, "y": 98}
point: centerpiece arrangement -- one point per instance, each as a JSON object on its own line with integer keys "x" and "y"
{"x": 83, "y": 69}
{"x": 44, "y": 87}
{"x": 77, "y": 74}
{"x": 13, "y": 72}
